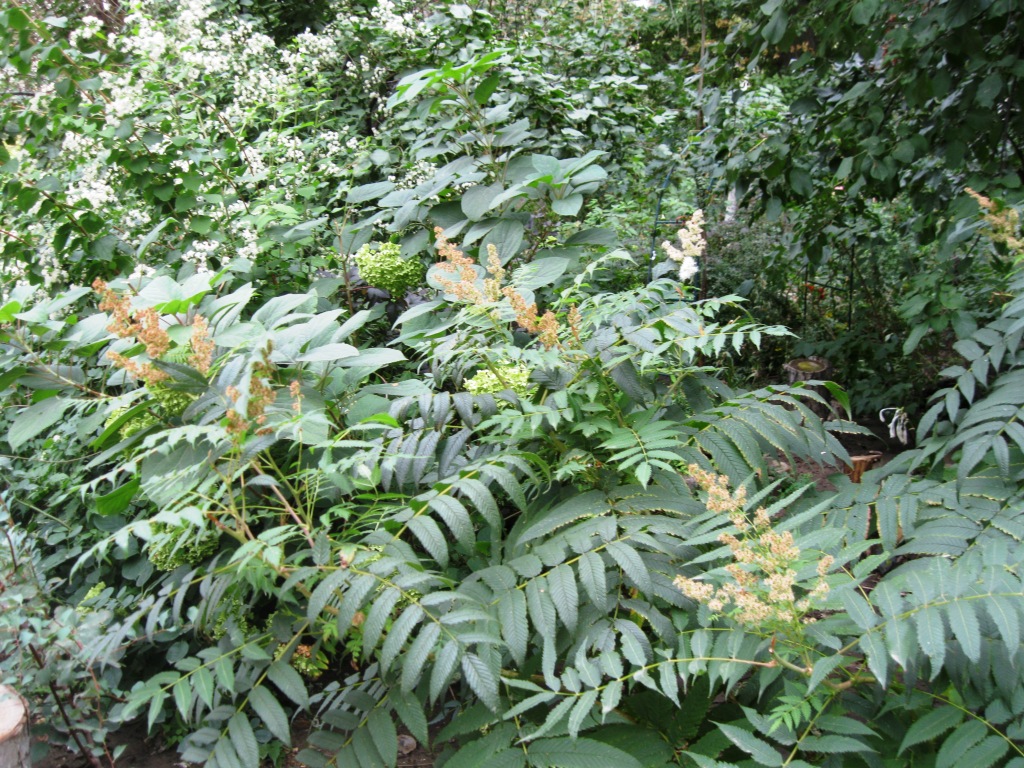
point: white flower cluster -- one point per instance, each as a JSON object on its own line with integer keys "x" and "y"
{"x": 198, "y": 255}
{"x": 91, "y": 26}
{"x": 393, "y": 21}
{"x": 691, "y": 241}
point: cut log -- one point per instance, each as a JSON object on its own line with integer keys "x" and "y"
{"x": 808, "y": 369}
{"x": 15, "y": 741}
{"x": 860, "y": 464}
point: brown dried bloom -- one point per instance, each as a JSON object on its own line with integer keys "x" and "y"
{"x": 1003, "y": 221}
{"x": 143, "y": 371}
{"x": 143, "y": 325}
{"x": 492, "y": 285}
{"x": 760, "y": 590}
{"x": 202, "y": 345}
{"x": 462, "y": 280}
{"x": 526, "y": 314}
{"x": 575, "y": 320}
{"x": 548, "y": 327}
{"x": 151, "y": 334}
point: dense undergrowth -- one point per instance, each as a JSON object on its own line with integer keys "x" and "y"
{"x": 340, "y": 379}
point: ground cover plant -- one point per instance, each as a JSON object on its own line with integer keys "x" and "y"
{"x": 333, "y": 394}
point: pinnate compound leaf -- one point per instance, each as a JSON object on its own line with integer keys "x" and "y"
{"x": 631, "y": 564}
{"x": 415, "y": 661}
{"x": 410, "y": 711}
{"x": 964, "y": 623}
{"x": 932, "y": 725}
{"x": 986, "y": 753}
{"x": 481, "y": 679}
{"x": 271, "y": 713}
{"x": 515, "y": 628}
{"x": 444, "y": 666}
{"x": 244, "y": 740}
{"x": 289, "y": 682}
{"x": 959, "y": 742}
{"x": 385, "y": 737}
{"x": 578, "y": 753}
{"x": 931, "y": 634}
{"x": 580, "y": 710}
{"x": 832, "y": 744}
{"x": 762, "y": 752}
{"x": 562, "y": 583}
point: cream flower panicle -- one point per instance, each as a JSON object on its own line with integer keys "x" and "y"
{"x": 691, "y": 241}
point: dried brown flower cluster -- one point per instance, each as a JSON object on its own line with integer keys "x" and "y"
{"x": 145, "y": 326}
{"x": 462, "y": 285}
{"x": 1003, "y": 221}
{"x": 761, "y": 591}
{"x": 261, "y": 394}
{"x": 202, "y": 346}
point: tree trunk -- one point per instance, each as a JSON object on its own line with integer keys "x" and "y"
{"x": 15, "y": 743}
{"x": 808, "y": 369}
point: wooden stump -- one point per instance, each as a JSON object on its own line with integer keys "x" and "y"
{"x": 808, "y": 369}
{"x": 15, "y": 743}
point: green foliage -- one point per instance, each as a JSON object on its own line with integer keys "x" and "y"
{"x": 512, "y": 502}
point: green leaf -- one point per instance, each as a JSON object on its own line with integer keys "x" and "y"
{"x": 562, "y": 585}
{"x": 631, "y": 564}
{"x": 932, "y": 725}
{"x": 931, "y": 635}
{"x": 481, "y": 679}
{"x": 202, "y": 680}
{"x": 1005, "y": 615}
{"x": 760, "y": 750}
{"x": 410, "y": 710}
{"x": 580, "y": 710}
{"x": 266, "y": 706}
{"x": 36, "y": 419}
{"x": 244, "y": 740}
{"x": 444, "y": 667}
{"x": 385, "y": 737}
{"x": 568, "y": 206}
{"x": 414, "y": 661}
{"x": 578, "y": 753}
{"x": 957, "y": 745}
{"x": 289, "y": 682}
{"x": 590, "y": 568}
{"x": 477, "y": 201}
{"x": 964, "y": 623}
{"x": 183, "y": 697}
{"x": 118, "y": 500}
{"x": 774, "y": 30}
{"x": 985, "y": 754}
{"x": 515, "y": 627}
{"x": 832, "y": 744}
{"x": 863, "y": 12}
{"x": 366, "y": 192}
{"x": 858, "y": 609}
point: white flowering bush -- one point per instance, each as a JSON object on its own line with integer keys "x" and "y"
{"x": 691, "y": 246}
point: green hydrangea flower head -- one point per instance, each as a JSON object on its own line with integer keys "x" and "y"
{"x": 382, "y": 266}
{"x": 514, "y": 376}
